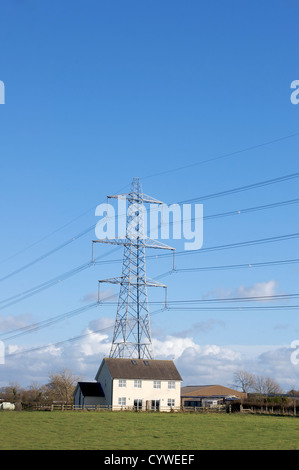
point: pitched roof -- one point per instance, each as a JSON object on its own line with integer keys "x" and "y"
{"x": 142, "y": 369}
{"x": 91, "y": 389}
{"x": 209, "y": 390}
{"x": 189, "y": 389}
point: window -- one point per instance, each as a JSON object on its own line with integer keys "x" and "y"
{"x": 157, "y": 383}
{"x": 171, "y": 384}
{"x": 122, "y": 401}
{"x": 171, "y": 402}
{"x": 137, "y": 383}
{"x": 138, "y": 404}
{"x": 146, "y": 363}
{"x": 122, "y": 383}
{"x": 192, "y": 403}
{"x": 155, "y": 405}
{"x": 134, "y": 362}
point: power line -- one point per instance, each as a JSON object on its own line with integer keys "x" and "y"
{"x": 50, "y": 283}
{"x": 46, "y": 323}
{"x": 170, "y": 305}
{"x": 59, "y": 343}
{"x": 259, "y": 241}
{"x": 243, "y": 188}
{"x": 254, "y": 298}
{"x": 261, "y": 298}
{"x": 48, "y": 253}
{"x": 252, "y": 209}
{"x": 76, "y": 338}
{"x": 55, "y": 231}
{"x": 237, "y": 266}
{"x": 273, "y": 307}
{"x": 58, "y": 279}
{"x": 219, "y": 157}
{"x": 201, "y": 198}
{"x": 69, "y": 340}
{"x": 44, "y": 238}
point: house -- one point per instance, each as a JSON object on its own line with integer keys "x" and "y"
{"x": 135, "y": 384}
{"x": 208, "y": 395}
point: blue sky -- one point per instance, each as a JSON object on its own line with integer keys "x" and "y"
{"x": 99, "y": 92}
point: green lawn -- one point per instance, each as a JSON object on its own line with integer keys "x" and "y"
{"x": 69, "y": 430}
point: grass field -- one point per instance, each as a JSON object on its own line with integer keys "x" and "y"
{"x": 70, "y": 430}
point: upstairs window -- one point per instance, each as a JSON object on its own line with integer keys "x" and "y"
{"x": 122, "y": 383}
{"x": 137, "y": 383}
{"x": 157, "y": 383}
{"x": 171, "y": 384}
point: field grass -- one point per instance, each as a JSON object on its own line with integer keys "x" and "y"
{"x": 77, "y": 430}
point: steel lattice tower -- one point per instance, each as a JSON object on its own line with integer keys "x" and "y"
{"x": 132, "y": 332}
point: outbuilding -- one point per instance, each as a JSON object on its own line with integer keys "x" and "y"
{"x": 208, "y": 395}
{"x": 88, "y": 393}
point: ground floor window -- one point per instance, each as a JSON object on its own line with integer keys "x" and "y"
{"x": 171, "y": 402}
{"x": 122, "y": 401}
{"x": 155, "y": 405}
{"x": 138, "y": 404}
{"x": 192, "y": 403}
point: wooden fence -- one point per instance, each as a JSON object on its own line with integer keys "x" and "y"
{"x": 281, "y": 410}
{"x": 71, "y": 407}
{"x": 270, "y": 410}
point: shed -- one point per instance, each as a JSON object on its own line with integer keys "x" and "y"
{"x": 88, "y": 393}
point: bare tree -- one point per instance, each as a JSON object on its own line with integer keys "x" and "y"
{"x": 12, "y": 393}
{"x": 244, "y": 380}
{"x": 266, "y": 386}
{"x": 35, "y": 393}
{"x": 61, "y": 386}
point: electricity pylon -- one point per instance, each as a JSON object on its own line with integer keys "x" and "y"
{"x": 132, "y": 332}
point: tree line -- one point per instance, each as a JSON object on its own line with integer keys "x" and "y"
{"x": 60, "y": 388}
{"x": 259, "y": 385}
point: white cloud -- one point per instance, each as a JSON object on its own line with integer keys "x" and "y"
{"x": 102, "y": 323}
{"x": 173, "y": 347}
{"x": 93, "y": 344}
{"x": 201, "y": 327}
{"x": 260, "y": 289}
{"x": 107, "y": 294}
{"x": 198, "y": 364}
{"x": 14, "y": 322}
